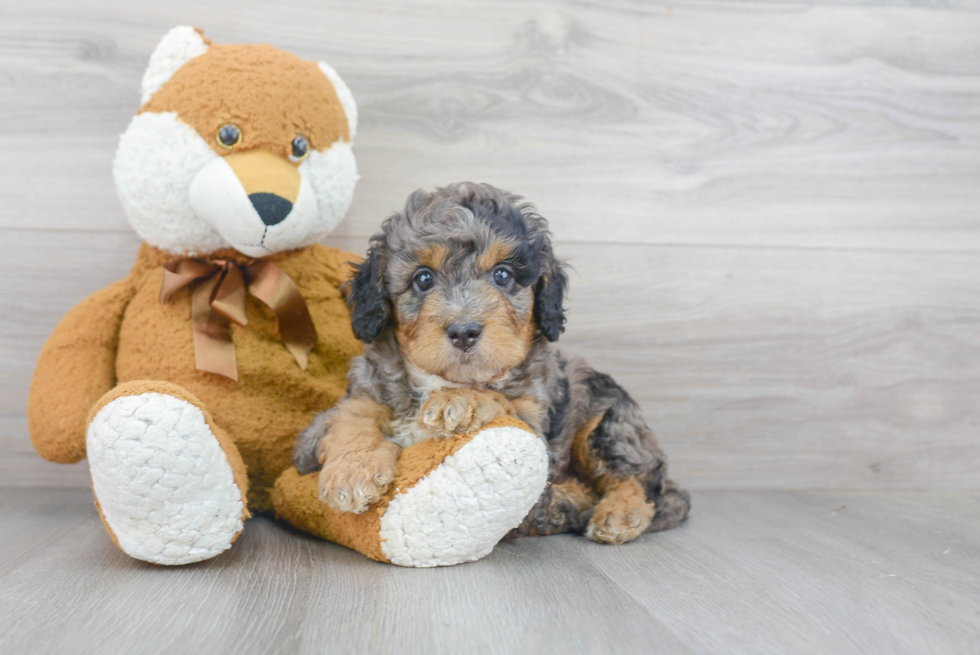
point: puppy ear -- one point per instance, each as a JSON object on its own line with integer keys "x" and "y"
{"x": 549, "y": 294}
{"x": 366, "y": 295}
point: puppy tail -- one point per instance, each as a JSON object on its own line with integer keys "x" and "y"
{"x": 673, "y": 507}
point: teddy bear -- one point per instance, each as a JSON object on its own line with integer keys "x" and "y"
{"x": 185, "y": 383}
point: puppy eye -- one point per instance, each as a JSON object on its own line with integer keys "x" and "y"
{"x": 423, "y": 280}
{"x": 301, "y": 148}
{"x": 228, "y": 136}
{"x": 503, "y": 276}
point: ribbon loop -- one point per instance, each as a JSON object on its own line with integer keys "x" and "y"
{"x": 277, "y": 290}
{"x": 219, "y": 298}
{"x": 228, "y": 296}
{"x": 178, "y": 274}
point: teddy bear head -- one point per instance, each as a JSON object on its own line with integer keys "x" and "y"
{"x": 236, "y": 146}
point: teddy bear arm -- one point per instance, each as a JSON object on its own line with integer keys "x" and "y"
{"x": 76, "y": 367}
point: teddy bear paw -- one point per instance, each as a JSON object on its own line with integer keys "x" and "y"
{"x": 162, "y": 481}
{"x": 463, "y": 507}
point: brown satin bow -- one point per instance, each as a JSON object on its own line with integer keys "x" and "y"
{"x": 219, "y": 297}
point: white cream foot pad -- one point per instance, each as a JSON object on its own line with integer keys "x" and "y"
{"x": 468, "y": 503}
{"x": 163, "y": 482}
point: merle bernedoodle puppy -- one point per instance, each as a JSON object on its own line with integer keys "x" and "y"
{"x": 458, "y": 303}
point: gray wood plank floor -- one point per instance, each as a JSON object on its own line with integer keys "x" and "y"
{"x": 751, "y": 572}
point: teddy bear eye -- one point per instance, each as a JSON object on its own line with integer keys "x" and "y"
{"x": 229, "y": 136}
{"x": 301, "y": 148}
{"x": 423, "y": 280}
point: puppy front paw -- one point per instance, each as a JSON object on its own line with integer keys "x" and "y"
{"x": 450, "y": 411}
{"x": 354, "y": 481}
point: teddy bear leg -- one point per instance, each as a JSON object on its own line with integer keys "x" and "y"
{"x": 169, "y": 483}
{"x": 451, "y": 500}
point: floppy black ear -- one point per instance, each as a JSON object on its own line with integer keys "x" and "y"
{"x": 549, "y": 294}
{"x": 367, "y": 298}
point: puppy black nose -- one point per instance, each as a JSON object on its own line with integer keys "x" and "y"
{"x": 272, "y": 209}
{"x": 464, "y": 335}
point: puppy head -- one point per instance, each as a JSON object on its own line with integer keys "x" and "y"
{"x": 241, "y": 146}
{"x": 465, "y": 278}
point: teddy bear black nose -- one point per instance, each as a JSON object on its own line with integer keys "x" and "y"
{"x": 272, "y": 209}
{"x": 464, "y": 335}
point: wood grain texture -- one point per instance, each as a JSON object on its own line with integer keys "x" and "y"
{"x": 704, "y": 122}
{"x": 749, "y": 573}
{"x": 758, "y": 368}
{"x": 770, "y": 206}
{"x": 771, "y": 211}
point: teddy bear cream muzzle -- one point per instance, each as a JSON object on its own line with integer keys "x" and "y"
{"x": 257, "y": 201}
{"x": 272, "y": 185}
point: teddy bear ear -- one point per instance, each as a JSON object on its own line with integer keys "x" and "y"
{"x": 176, "y": 48}
{"x": 344, "y": 94}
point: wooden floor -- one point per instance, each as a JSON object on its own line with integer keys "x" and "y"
{"x": 751, "y": 572}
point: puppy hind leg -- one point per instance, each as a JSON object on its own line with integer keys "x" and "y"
{"x": 673, "y": 506}
{"x": 564, "y": 506}
{"x": 618, "y": 454}
{"x": 622, "y": 514}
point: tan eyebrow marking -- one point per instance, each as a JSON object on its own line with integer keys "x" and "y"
{"x": 433, "y": 256}
{"x": 495, "y": 253}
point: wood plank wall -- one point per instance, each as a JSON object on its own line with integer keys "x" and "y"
{"x": 772, "y": 208}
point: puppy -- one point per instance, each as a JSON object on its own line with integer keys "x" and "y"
{"x": 458, "y": 303}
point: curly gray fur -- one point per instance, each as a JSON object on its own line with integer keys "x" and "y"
{"x": 466, "y": 218}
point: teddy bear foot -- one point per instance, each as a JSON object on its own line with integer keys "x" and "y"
{"x": 451, "y": 500}
{"x": 163, "y": 483}
{"x": 462, "y": 508}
